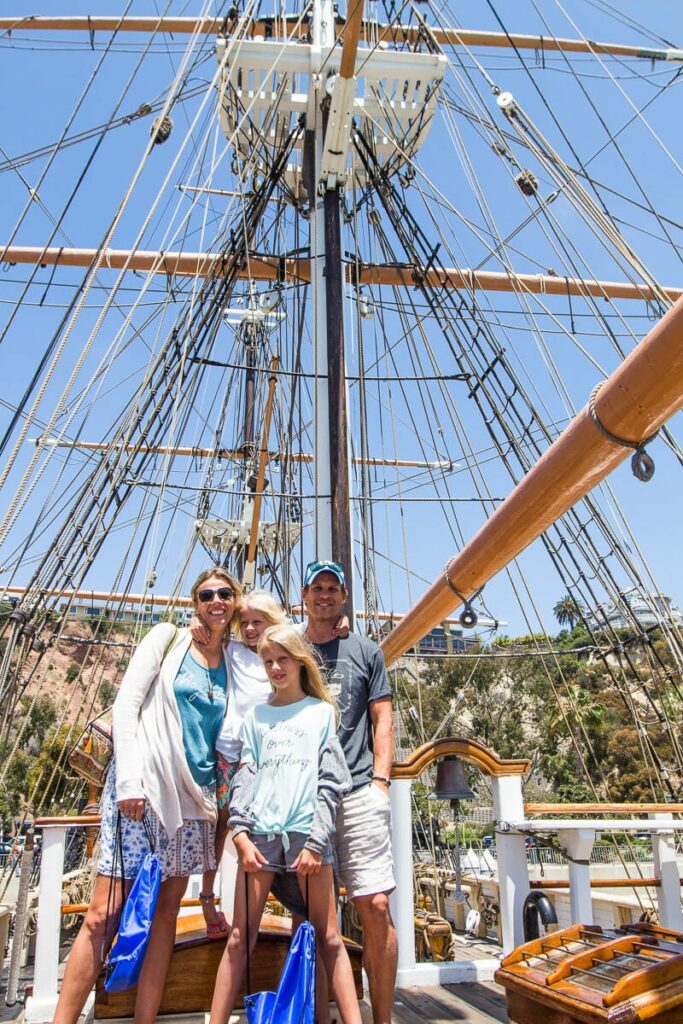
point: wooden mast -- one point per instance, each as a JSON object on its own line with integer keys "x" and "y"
{"x": 340, "y": 486}
{"x": 267, "y": 268}
{"x": 633, "y": 403}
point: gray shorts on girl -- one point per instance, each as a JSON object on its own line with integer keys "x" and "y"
{"x": 280, "y": 860}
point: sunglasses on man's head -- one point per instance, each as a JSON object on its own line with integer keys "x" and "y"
{"x": 224, "y": 593}
{"x": 324, "y": 564}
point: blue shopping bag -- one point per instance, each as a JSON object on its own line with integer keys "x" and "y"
{"x": 127, "y": 954}
{"x": 294, "y": 1001}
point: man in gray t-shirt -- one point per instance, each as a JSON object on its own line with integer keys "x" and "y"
{"x": 357, "y": 679}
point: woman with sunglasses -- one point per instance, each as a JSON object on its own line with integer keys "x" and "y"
{"x": 167, "y": 716}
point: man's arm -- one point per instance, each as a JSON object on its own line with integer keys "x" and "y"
{"x": 383, "y": 739}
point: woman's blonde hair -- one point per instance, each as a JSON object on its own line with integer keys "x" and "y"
{"x": 289, "y": 637}
{"x": 220, "y": 573}
{"x": 260, "y": 601}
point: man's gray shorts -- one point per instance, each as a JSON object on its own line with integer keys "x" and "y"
{"x": 279, "y": 859}
{"x": 363, "y": 846}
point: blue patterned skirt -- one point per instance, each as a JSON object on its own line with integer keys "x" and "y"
{"x": 191, "y": 850}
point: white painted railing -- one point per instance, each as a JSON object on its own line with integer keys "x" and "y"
{"x": 41, "y": 1005}
{"x": 576, "y": 837}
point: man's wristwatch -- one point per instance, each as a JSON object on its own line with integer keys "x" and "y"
{"x": 381, "y": 778}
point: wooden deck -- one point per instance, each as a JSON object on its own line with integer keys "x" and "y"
{"x": 476, "y": 1003}
{"x": 481, "y": 1003}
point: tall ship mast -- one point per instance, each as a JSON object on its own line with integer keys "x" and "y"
{"x": 396, "y": 285}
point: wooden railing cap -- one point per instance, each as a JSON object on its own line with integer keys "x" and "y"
{"x": 469, "y": 750}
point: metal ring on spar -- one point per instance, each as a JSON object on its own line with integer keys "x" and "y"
{"x": 642, "y": 464}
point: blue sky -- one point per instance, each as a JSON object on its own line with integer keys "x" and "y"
{"x": 575, "y": 114}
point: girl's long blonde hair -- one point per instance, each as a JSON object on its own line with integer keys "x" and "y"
{"x": 260, "y": 601}
{"x": 289, "y": 638}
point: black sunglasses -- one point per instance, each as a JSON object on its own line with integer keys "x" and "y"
{"x": 224, "y": 593}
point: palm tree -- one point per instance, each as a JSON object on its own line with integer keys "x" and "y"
{"x": 567, "y": 611}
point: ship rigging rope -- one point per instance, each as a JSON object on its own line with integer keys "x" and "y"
{"x": 45, "y": 170}
{"x": 612, "y": 136}
{"x": 483, "y": 119}
{"x": 670, "y": 440}
{"x": 624, "y": 94}
{"x": 179, "y": 76}
{"x": 416, "y": 234}
{"x": 99, "y": 261}
{"x": 576, "y": 272}
{"x": 525, "y": 430}
{"x": 667, "y": 436}
{"x": 258, "y": 204}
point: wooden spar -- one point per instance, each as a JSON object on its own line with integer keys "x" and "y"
{"x": 352, "y": 35}
{"x": 162, "y": 600}
{"x": 103, "y": 595}
{"x": 118, "y": 597}
{"x": 267, "y": 268}
{"x": 235, "y": 453}
{"x": 633, "y": 403}
{"x": 370, "y": 31}
{"x": 261, "y": 474}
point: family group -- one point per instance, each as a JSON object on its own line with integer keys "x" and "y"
{"x": 279, "y": 733}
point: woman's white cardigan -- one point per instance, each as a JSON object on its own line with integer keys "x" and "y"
{"x": 148, "y": 733}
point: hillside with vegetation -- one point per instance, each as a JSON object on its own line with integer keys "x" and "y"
{"x": 566, "y": 704}
{"x": 61, "y": 689}
{"x": 592, "y": 729}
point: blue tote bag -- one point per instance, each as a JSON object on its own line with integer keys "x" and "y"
{"x": 127, "y": 954}
{"x": 294, "y": 1000}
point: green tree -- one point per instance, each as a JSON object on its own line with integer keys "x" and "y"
{"x": 48, "y": 780}
{"x": 13, "y": 789}
{"x": 107, "y": 693}
{"x": 568, "y": 611}
{"x": 41, "y": 716}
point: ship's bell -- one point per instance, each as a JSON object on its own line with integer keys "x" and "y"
{"x": 451, "y": 783}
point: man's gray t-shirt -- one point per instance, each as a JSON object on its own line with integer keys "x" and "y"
{"x": 355, "y": 676}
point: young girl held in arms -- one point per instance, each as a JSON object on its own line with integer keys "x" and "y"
{"x": 282, "y": 811}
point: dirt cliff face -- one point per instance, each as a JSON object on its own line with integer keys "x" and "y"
{"x": 80, "y": 672}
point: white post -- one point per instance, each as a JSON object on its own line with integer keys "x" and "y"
{"x": 666, "y": 869}
{"x": 401, "y": 899}
{"x": 41, "y": 1006}
{"x": 513, "y": 874}
{"x": 578, "y": 844}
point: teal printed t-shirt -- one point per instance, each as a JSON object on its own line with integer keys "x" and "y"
{"x": 284, "y": 743}
{"x": 201, "y": 717}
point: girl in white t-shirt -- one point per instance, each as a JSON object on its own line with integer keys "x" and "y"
{"x": 282, "y": 812}
{"x": 247, "y": 685}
